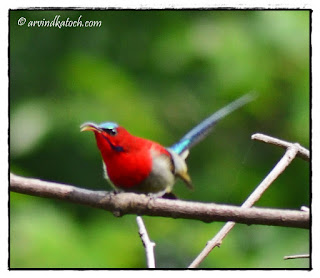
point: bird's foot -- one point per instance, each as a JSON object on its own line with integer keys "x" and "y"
{"x": 162, "y": 194}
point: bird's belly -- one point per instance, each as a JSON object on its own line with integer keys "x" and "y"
{"x": 134, "y": 176}
{"x": 161, "y": 178}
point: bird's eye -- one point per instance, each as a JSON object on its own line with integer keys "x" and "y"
{"x": 111, "y": 131}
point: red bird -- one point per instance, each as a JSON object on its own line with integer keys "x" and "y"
{"x": 139, "y": 165}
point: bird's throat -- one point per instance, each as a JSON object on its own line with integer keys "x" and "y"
{"x": 113, "y": 147}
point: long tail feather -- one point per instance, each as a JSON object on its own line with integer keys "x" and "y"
{"x": 200, "y": 131}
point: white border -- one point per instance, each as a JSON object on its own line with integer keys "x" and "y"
{"x": 157, "y": 5}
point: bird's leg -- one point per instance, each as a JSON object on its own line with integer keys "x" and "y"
{"x": 153, "y": 196}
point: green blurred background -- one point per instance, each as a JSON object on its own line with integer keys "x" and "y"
{"x": 158, "y": 73}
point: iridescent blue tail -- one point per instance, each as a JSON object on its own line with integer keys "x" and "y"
{"x": 200, "y": 131}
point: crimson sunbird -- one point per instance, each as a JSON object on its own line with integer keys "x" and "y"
{"x": 139, "y": 165}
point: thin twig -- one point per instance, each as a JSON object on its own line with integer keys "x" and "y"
{"x": 302, "y": 256}
{"x": 302, "y": 152}
{"x": 147, "y": 243}
{"x": 130, "y": 203}
{"x": 255, "y": 196}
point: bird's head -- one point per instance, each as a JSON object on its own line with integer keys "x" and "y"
{"x": 110, "y": 136}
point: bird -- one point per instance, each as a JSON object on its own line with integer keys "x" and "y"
{"x": 138, "y": 165}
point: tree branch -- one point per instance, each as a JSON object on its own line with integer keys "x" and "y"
{"x": 147, "y": 243}
{"x": 130, "y": 203}
{"x": 302, "y": 152}
{"x": 293, "y": 149}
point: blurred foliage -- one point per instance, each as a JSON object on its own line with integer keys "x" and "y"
{"x": 158, "y": 73}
